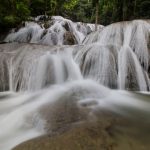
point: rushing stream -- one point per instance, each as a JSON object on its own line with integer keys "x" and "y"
{"x": 47, "y": 89}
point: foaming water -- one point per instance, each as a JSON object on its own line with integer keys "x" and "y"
{"x": 29, "y": 115}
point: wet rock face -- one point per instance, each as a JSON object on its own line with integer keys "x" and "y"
{"x": 4, "y": 73}
{"x": 2, "y": 37}
{"x": 149, "y": 53}
{"x": 41, "y": 18}
{"x": 89, "y": 30}
{"x": 46, "y": 24}
{"x": 69, "y": 39}
{"x": 5, "y": 85}
{"x": 66, "y": 26}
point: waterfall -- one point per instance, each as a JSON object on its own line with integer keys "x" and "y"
{"x": 103, "y": 54}
{"x": 30, "y": 67}
{"x": 57, "y": 31}
{"x": 118, "y": 55}
{"x": 109, "y": 56}
{"x": 131, "y": 75}
{"x": 99, "y": 63}
{"x": 59, "y": 75}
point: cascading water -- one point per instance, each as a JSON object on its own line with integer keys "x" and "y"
{"x": 50, "y": 111}
{"x": 99, "y": 63}
{"x": 52, "y": 89}
{"x": 130, "y": 73}
{"x": 105, "y": 66}
{"x": 59, "y": 31}
{"x": 120, "y": 50}
{"x": 30, "y": 67}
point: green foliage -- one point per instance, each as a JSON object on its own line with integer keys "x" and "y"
{"x": 22, "y": 10}
{"x": 10, "y": 20}
{"x": 119, "y": 10}
{"x": 83, "y": 11}
{"x": 106, "y": 12}
{"x": 37, "y": 7}
{"x": 144, "y": 9}
{"x": 12, "y": 12}
{"x": 70, "y": 5}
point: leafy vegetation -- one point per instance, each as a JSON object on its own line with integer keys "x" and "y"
{"x": 12, "y": 12}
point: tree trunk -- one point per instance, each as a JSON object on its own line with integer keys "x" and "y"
{"x": 46, "y": 8}
{"x": 97, "y": 15}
